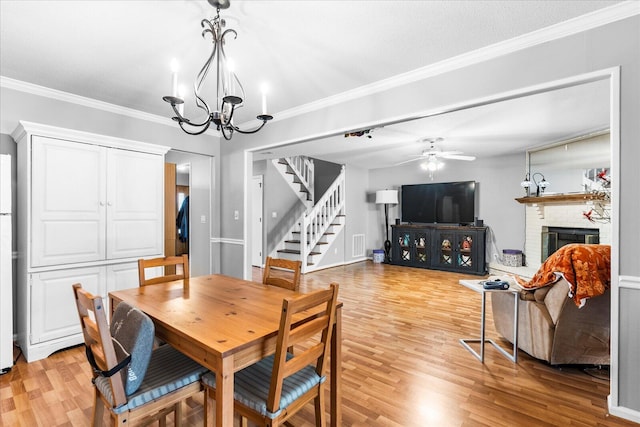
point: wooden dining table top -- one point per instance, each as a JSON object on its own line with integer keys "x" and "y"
{"x": 234, "y": 313}
{"x": 226, "y": 324}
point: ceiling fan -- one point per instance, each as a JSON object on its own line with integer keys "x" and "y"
{"x": 432, "y": 153}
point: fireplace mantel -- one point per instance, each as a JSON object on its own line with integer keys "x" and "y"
{"x": 561, "y": 199}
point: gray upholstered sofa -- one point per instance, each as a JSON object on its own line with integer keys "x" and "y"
{"x": 552, "y": 328}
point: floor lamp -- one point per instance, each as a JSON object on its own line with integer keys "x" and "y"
{"x": 386, "y": 198}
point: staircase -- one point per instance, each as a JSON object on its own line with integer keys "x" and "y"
{"x": 300, "y": 171}
{"x": 315, "y": 230}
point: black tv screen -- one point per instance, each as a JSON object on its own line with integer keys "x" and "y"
{"x": 444, "y": 202}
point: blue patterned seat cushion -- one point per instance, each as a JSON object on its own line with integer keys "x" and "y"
{"x": 133, "y": 333}
{"x": 168, "y": 370}
{"x": 251, "y": 385}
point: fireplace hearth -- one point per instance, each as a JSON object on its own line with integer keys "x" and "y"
{"x": 554, "y": 238}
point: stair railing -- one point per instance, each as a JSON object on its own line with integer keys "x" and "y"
{"x": 316, "y": 222}
{"x": 302, "y": 167}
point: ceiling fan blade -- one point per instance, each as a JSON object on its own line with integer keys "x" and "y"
{"x": 446, "y": 153}
{"x": 458, "y": 157}
{"x": 410, "y": 160}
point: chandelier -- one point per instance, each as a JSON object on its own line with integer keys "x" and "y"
{"x": 229, "y": 91}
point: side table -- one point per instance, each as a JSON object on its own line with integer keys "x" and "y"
{"x": 476, "y": 285}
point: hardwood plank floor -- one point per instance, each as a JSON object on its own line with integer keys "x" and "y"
{"x": 403, "y": 365}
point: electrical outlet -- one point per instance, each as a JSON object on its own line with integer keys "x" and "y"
{"x": 203, "y": 219}
{"x": 236, "y": 215}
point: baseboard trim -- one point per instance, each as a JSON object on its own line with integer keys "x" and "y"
{"x": 623, "y": 412}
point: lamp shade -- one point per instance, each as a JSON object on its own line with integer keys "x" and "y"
{"x": 387, "y": 197}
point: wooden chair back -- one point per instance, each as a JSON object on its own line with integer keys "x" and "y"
{"x": 177, "y": 261}
{"x": 306, "y": 320}
{"x": 296, "y": 330}
{"x": 97, "y": 338}
{"x": 283, "y": 273}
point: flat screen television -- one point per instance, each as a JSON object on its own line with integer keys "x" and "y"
{"x": 443, "y": 203}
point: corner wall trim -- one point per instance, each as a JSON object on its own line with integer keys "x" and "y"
{"x": 629, "y": 282}
{"x": 623, "y": 412}
{"x": 227, "y": 241}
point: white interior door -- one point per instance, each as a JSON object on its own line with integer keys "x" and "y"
{"x": 256, "y": 221}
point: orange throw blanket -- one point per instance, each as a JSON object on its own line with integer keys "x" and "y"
{"x": 587, "y": 268}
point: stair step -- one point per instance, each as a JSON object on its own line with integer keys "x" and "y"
{"x": 298, "y": 242}
{"x": 325, "y": 233}
{"x": 293, "y": 251}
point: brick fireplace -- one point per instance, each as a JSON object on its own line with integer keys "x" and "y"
{"x": 560, "y": 218}
{"x": 553, "y": 238}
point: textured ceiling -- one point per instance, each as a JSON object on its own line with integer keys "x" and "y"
{"x": 119, "y": 51}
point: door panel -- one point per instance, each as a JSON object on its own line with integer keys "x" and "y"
{"x": 68, "y": 202}
{"x": 53, "y": 309}
{"x": 135, "y": 192}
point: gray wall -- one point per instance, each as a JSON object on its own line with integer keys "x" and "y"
{"x": 16, "y": 106}
{"x": 498, "y": 181}
{"x": 356, "y": 209}
{"x": 200, "y": 204}
{"x": 325, "y": 173}
{"x": 611, "y": 45}
{"x": 279, "y": 198}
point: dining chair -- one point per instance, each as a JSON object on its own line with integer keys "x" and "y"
{"x": 281, "y": 272}
{"x": 164, "y": 262}
{"x": 138, "y": 385}
{"x": 270, "y": 391}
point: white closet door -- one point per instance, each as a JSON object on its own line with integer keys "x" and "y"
{"x": 53, "y": 309}
{"x": 67, "y": 199}
{"x": 135, "y": 191}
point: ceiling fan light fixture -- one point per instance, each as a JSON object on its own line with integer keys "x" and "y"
{"x": 432, "y": 164}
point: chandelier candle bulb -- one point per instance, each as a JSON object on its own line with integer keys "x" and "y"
{"x": 264, "y": 100}
{"x": 230, "y": 77}
{"x": 181, "y": 95}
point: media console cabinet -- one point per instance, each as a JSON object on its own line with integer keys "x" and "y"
{"x": 440, "y": 247}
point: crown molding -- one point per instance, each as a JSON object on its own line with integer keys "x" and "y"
{"x": 576, "y": 25}
{"x": 22, "y": 86}
{"x": 570, "y": 27}
{"x": 59, "y": 95}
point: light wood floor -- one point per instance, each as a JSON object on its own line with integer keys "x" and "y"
{"x": 403, "y": 365}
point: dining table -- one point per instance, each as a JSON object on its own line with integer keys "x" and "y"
{"x": 225, "y": 324}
